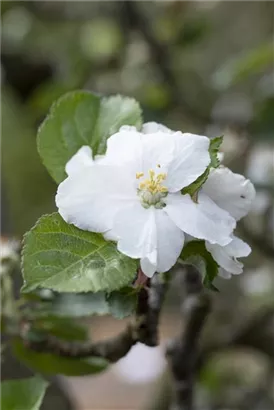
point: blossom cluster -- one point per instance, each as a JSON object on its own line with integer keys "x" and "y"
{"x": 135, "y": 195}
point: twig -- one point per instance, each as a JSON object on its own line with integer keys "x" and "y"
{"x": 112, "y": 349}
{"x": 144, "y": 329}
{"x": 148, "y": 332}
{"x": 182, "y": 351}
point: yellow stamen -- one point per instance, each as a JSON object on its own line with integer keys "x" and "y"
{"x": 151, "y": 174}
{"x": 161, "y": 177}
{"x": 154, "y": 183}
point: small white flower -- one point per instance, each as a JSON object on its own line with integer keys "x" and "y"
{"x": 132, "y": 195}
{"x": 235, "y": 194}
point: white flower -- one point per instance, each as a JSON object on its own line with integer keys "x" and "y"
{"x": 235, "y": 194}
{"x": 132, "y": 195}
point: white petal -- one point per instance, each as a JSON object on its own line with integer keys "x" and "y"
{"x": 170, "y": 241}
{"x": 238, "y": 248}
{"x": 230, "y": 191}
{"x": 110, "y": 236}
{"x": 224, "y": 274}
{"x": 140, "y": 152}
{"x": 149, "y": 264}
{"x": 148, "y": 234}
{"x": 82, "y": 158}
{"x": 91, "y": 198}
{"x": 203, "y": 220}
{"x": 125, "y": 148}
{"x": 158, "y": 149}
{"x": 226, "y": 256}
{"x": 136, "y": 231}
{"x": 153, "y": 127}
{"x": 190, "y": 161}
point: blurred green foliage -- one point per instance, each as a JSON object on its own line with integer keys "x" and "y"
{"x": 204, "y": 67}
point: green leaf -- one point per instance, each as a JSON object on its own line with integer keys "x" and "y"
{"x": 122, "y": 303}
{"x": 75, "y": 305}
{"x": 48, "y": 363}
{"x": 194, "y": 252}
{"x": 196, "y": 185}
{"x": 82, "y": 118}
{"x": 65, "y": 306}
{"x": 115, "y": 111}
{"x": 23, "y": 394}
{"x": 61, "y": 257}
{"x": 214, "y": 147}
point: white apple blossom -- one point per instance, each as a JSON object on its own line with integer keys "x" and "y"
{"x": 235, "y": 194}
{"x": 133, "y": 195}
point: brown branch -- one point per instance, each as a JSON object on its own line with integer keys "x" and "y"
{"x": 148, "y": 331}
{"x": 183, "y": 351}
{"x": 111, "y": 349}
{"x": 144, "y": 329}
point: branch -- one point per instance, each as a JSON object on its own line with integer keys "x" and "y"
{"x": 182, "y": 352}
{"x": 144, "y": 329}
{"x": 112, "y": 349}
{"x": 148, "y": 331}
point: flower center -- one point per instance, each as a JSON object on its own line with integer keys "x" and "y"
{"x": 151, "y": 190}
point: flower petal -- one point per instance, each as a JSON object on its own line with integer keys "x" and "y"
{"x": 153, "y": 127}
{"x": 140, "y": 152}
{"x": 82, "y": 158}
{"x": 158, "y": 149}
{"x": 136, "y": 231}
{"x": 232, "y": 192}
{"x": 149, "y": 264}
{"x": 224, "y": 273}
{"x": 91, "y": 198}
{"x": 125, "y": 148}
{"x": 203, "y": 220}
{"x": 190, "y": 161}
{"x": 226, "y": 256}
{"x": 148, "y": 234}
{"x": 238, "y": 248}
{"x": 170, "y": 241}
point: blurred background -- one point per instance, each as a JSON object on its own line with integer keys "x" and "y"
{"x": 195, "y": 66}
